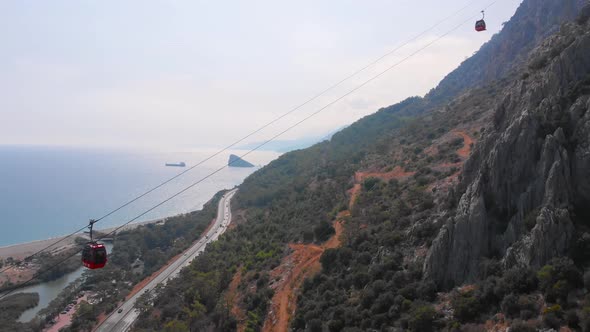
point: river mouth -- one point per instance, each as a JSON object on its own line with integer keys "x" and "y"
{"x": 49, "y": 290}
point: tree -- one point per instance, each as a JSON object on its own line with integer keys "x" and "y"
{"x": 422, "y": 318}
{"x": 329, "y": 259}
{"x": 84, "y": 318}
{"x": 323, "y": 231}
{"x": 175, "y": 326}
{"x": 315, "y": 325}
{"x": 466, "y": 306}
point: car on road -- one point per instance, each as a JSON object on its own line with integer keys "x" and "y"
{"x": 119, "y": 311}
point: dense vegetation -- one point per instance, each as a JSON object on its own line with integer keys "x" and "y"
{"x": 293, "y": 199}
{"x": 49, "y": 266}
{"x": 137, "y": 253}
{"x": 374, "y": 280}
{"x": 366, "y": 283}
{"x": 12, "y": 306}
{"x": 275, "y": 216}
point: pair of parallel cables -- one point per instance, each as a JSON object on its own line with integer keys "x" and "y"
{"x": 294, "y": 109}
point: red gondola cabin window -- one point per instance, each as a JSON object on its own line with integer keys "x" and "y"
{"x": 480, "y": 25}
{"x": 94, "y": 255}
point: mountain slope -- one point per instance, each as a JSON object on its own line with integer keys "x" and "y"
{"x": 432, "y": 192}
{"x": 533, "y": 21}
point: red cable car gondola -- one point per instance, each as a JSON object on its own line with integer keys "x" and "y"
{"x": 481, "y": 24}
{"x": 94, "y": 255}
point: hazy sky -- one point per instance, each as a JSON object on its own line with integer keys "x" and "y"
{"x": 204, "y": 73}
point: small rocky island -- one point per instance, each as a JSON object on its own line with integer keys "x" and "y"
{"x": 235, "y": 161}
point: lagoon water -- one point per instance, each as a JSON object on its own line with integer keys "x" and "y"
{"x": 48, "y": 291}
{"x": 51, "y": 191}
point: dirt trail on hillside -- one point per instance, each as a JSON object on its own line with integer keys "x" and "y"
{"x": 302, "y": 263}
{"x": 233, "y": 299}
{"x": 467, "y": 143}
{"x": 463, "y": 153}
{"x": 396, "y": 173}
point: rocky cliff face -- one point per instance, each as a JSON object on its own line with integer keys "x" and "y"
{"x": 526, "y": 187}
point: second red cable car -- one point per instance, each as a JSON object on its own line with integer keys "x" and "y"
{"x": 481, "y": 24}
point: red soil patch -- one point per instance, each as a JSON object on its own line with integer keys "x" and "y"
{"x": 466, "y": 289}
{"x": 302, "y": 263}
{"x": 233, "y": 299}
{"x": 396, "y": 173}
{"x": 467, "y": 142}
{"x": 343, "y": 214}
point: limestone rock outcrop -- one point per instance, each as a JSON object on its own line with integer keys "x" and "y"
{"x": 529, "y": 177}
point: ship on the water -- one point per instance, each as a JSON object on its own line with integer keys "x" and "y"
{"x": 180, "y": 164}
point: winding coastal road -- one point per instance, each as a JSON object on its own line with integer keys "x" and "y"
{"x": 123, "y": 317}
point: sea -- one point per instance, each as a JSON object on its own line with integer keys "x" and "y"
{"x": 46, "y": 192}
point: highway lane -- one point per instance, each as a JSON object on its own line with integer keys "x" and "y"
{"x": 122, "y": 321}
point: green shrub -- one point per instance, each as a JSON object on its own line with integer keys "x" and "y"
{"x": 422, "y": 318}
{"x": 466, "y": 306}
{"x": 323, "y": 231}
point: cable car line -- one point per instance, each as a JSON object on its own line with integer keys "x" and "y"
{"x": 258, "y": 146}
{"x": 254, "y": 132}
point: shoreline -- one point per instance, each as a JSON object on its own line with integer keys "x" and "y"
{"x": 57, "y": 243}
{"x": 22, "y": 250}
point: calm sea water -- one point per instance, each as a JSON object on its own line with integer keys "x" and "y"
{"x": 52, "y": 191}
